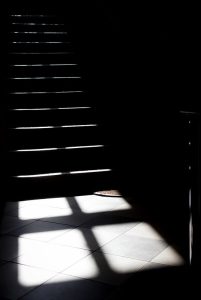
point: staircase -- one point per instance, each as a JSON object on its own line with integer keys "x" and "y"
{"x": 55, "y": 144}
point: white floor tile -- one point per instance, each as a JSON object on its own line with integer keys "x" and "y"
{"x": 51, "y": 257}
{"x": 58, "y": 202}
{"x": 11, "y": 246}
{"x": 95, "y": 204}
{"x": 169, "y": 257}
{"x": 134, "y": 247}
{"x": 106, "y": 268}
{"x": 144, "y": 230}
{"x": 34, "y": 212}
{"x": 83, "y": 239}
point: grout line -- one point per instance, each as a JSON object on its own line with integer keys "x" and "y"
{"x": 21, "y": 226}
{"x": 36, "y": 287}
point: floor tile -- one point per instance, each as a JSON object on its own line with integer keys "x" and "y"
{"x": 58, "y": 202}
{"x": 11, "y": 246}
{"x": 95, "y": 204}
{"x": 10, "y": 223}
{"x": 144, "y": 230}
{"x": 63, "y": 287}
{"x": 125, "y": 210}
{"x": 76, "y": 219}
{"x": 41, "y": 231}
{"x": 134, "y": 247}
{"x": 16, "y": 280}
{"x": 51, "y": 257}
{"x": 150, "y": 266}
{"x": 111, "y": 221}
{"x": 106, "y": 268}
{"x": 34, "y": 212}
{"x": 92, "y": 238}
{"x": 169, "y": 257}
{"x": 42, "y": 236}
{"x": 79, "y": 238}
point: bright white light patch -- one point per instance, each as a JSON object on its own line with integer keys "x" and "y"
{"x": 34, "y": 212}
{"x": 85, "y": 147}
{"x": 169, "y": 257}
{"x": 123, "y": 265}
{"x": 145, "y": 230}
{"x": 80, "y": 125}
{"x": 36, "y": 150}
{"x": 95, "y": 204}
{"x": 51, "y": 257}
{"x": 86, "y": 268}
{"x": 39, "y": 175}
{"x": 90, "y": 171}
{"x": 62, "y": 173}
{"x": 50, "y": 127}
{"x": 65, "y": 148}
{"x": 29, "y": 127}
{"x": 110, "y": 231}
{"x": 74, "y": 107}
{"x": 31, "y": 109}
{"x": 60, "y": 202}
{"x": 30, "y": 277}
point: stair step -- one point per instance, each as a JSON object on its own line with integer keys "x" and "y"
{"x": 42, "y": 57}
{"x": 45, "y": 137}
{"x": 61, "y": 160}
{"x": 48, "y": 19}
{"x": 31, "y": 26}
{"x": 41, "y": 46}
{"x": 49, "y": 100}
{"x": 58, "y": 185}
{"x": 44, "y": 70}
{"x": 51, "y": 117}
{"x": 37, "y": 36}
{"x": 30, "y": 84}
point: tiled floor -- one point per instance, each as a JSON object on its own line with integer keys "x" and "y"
{"x": 83, "y": 247}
